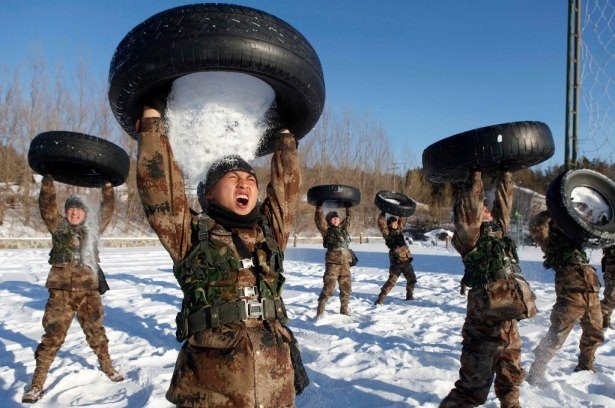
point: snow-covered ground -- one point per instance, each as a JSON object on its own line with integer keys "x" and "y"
{"x": 397, "y": 355}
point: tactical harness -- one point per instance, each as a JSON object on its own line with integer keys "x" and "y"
{"x": 491, "y": 259}
{"x": 209, "y": 274}
{"x": 336, "y": 238}
{"x": 394, "y": 240}
{"x": 562, "y": 252}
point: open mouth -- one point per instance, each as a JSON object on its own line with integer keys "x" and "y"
{"x": 242, "y": 200}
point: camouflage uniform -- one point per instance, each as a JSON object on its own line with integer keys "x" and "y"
{"x": 337, "y": 260}
{"x": 608, "y": 273}
{"x": 399, "y": 257}
{"x": 490, "y": 347}
{"x": 73, "y": 285}
{"x": 577, "y": 298}
{"x": 237, "y": 363}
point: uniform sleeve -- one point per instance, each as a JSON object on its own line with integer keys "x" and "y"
{"x": 161, "y": 188}
{"x": 502, "y": 205}
{"x": 401, "y": 223}
{"x": 347, "y": 219}
{"x": 468, "y": 213}
{"x": 539, "y": 229}
{"x": 48, "y": 205}
{"x": 280, "y": 206}
{"x": 107, "y": 206}
{"x": 319, "y": 220}
{"x": 382, "y": 224}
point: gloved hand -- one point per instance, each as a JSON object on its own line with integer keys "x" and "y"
{"x": 157, "y": 97}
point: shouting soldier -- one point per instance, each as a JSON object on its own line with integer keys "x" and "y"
{"x": 75, "y": 282}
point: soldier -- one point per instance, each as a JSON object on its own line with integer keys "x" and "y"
{"x": 577, "y": 298}
{"x": 491, "y": 347}
{"x": 608, "y": 273}
{"x": 337, "y": 259}
{"x": 399, "y": 256}
{"x": 228, "y": 261}
{"x": 75, "y": 282}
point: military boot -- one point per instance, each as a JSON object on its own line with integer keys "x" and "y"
{"x": 35, "y": 392}
{"x": 536, "y": 376}
{"x": 320, "y": 310}
{"x": 110, "y": 371}
{"x": 410, "y": 292}
{"x": 585, "y": 364}
{"x": 32, "y": 395}
{"x": 380, "y": 299}
{"x": 345, "y": 310}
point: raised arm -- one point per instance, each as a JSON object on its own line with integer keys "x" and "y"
{"x": 347, "y": 219}
{"x": 468, "y": 213}
{"x": 319, "y": 220}
{"x": 502, "y": 205}
{"x": 401, "y": 223}
{"x": 47, "y": 204}
{"x": 280, "y": 206}
{"x": 107, "y": 205}
{"x": 161, "y": 188}
{"x": 382, "y": 224}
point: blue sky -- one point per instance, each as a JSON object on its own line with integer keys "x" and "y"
{"x": 425, "y": 69}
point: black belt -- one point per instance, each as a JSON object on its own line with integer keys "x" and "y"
{"x": 235, "y": 311}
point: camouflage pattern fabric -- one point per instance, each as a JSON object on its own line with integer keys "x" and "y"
{"x": 73, "y": 289}
{"x": 71, "y": 275}
{"x": 608, "y": 274}
{"x": 239, "y": 364}
{"x": 337, "y": 264}
{"x": 490, "y": 349}
{"x": 577, "y": 299}
{"x": 400, "y": 260}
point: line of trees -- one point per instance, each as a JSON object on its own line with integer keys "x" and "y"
{"x": 344, "y": 148}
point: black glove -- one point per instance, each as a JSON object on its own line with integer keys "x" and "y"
{"x": 157, "y": 97}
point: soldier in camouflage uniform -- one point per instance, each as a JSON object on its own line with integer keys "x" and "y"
{"x": 608, "y": 273}
{"x": 228, "y": 262}
{"x": 337, "y": 258}
{"x": 399, "y": 256}
{"x": 491, "y": 347}
{"x": 73, "y": 282}
{"x": 577, "y": 298}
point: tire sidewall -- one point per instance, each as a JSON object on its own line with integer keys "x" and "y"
{"x": 338, "y": 195}
{"x": 405, "y": 208}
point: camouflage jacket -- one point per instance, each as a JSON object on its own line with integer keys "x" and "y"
{"x": 73, "y": 275}
{"x": 484, "y": 251}
{"x": 335, "y": 239}
{"x": 608, "y": 257}
{"x": 394, "y": 239}
{"x": 569, "y": 260}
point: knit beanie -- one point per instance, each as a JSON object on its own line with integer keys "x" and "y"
{"x": 217, "y": 170}
{"x": 75, "y": 202}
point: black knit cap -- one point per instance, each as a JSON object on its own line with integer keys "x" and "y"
{"x": 218, "y": 169}
{"x": 75, "y": 202}
{"x": 392, "y": 219}
{"x": 331, "y": 214}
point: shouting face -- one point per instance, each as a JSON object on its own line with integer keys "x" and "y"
{"x": 75, "y": 216}
{"x": 236, "y": 191}
{"x": 335, "y": 221}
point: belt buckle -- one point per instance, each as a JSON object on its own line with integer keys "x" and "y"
{"x": 247, "y": 291}
{"x": 254, "y": 310}
{"x": 246, "y": 263}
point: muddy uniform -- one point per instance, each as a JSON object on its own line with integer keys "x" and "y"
{"x": 337, "y": 260}
{"x": 232, "y": 356}
{"x": 608, "y": 273}
{"x": 490, "y": 347}
{"x": 399, "y": 256}
{"x": 73, "y": 285}
{"x": 577, "y": 298}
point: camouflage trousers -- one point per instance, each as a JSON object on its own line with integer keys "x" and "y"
{"x": 243, "y": 364}
{"x": 489, "y": 349}
{"x": 395, "y": 270}
{"x": 59, "y": 312}
{"x": 340, "y": 274}
{"x": 570, "y": 308}
{"x": 608, "y": 301}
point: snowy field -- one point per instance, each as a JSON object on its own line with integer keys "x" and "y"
{"x": 397, "y": 355}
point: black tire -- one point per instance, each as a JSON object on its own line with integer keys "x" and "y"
{"x": 562, "y": 210}
{"x": 218, "y": 37}
{"x": 504, "y": 147}
{"x": 395, "y": 203}
{"x": 335, "y": 194}
{"x": 78, "y": 159}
